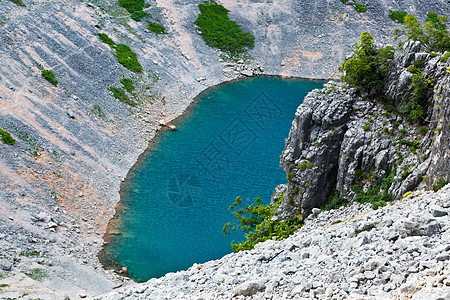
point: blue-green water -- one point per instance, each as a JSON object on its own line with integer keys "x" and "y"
{"x": 174, "y": 201}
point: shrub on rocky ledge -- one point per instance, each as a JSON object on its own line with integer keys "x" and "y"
{"x": 433, "y": 35}
{"x": 156, "y": 28}
{"x": 49, "y": 76}
{"x": 6, "y": 137}
{"x": 439, "y": 184}
{"x": 256, "y": 221}
{"x": 368, "y": 67}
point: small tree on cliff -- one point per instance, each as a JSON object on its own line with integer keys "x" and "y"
{"x": 367, "y": 68}
{"x": 433, "y": 35}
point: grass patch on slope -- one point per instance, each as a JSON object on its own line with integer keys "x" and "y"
{"x": 6, "y": 137}
{"x": 219, "y": 31}
{"x": 125, "y": 56}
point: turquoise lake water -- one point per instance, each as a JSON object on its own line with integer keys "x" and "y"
{"x": 174, "y": 200}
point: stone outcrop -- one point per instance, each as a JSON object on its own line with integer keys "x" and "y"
{"x": 336, "y": 132}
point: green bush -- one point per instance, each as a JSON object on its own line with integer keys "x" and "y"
{"x": 410, "y": 144}
{"x": 106, "y": 39}
{"x": 219, "y": 31}
{"x": 423, "y": 130}
{"x": 445, "y": 57}
{"x": 124, "y": 54}
{"x": 414, "y": 70}
{"x": 18, "y": 2}
{"x": 397, "y": 16}
{"x": 367, "y": 69}
{"x": 375, "y": 194}
{"x": 138, "y": 15}
{"x": 255, "y": 220}
{"x": 132, "y": 5}
{"x": 334, "y": 201}
{"x": 49, "y": 76}
{"x": 439, "y": 184}
{"x": 156, "y": 28}
{"x": 415, "y": 109}
{"x": 127, "y": 58}
{"x": 432, "y": 35}
{"x": 127, "y": 84}
{"x": 360, "y": 8}
{"x": 120, "y": 95}
{"x": 6, "y": 137}
{"x": 96, "y": 110}
{"x": 344, "y": 1}
{"x": 366, "y": 127}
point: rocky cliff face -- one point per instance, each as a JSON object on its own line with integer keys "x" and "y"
{"x": 336, "y": 133}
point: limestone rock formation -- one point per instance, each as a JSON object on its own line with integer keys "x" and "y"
{"x": 337, "y": 133}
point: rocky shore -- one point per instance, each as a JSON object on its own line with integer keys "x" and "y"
{"x": 400, "y": 251}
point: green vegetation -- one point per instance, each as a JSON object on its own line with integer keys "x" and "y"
{"x": 375, "y": 194}
{"x": 18, "y": 2}
{"x": 138, "y": 15}
{"x": 127, "y": 58}
{"x": 367, "y": 69}
{"x": 360, "y": 8}
{"x": 3, "y": 285}
{"x": 6, "y": 137}
{"x": 132, "y": 5}
{"x": 302, "y": 166}
{"x": 439, "y": 184}
{"x": 219, "y": 31}
{"x": 49, "y": 76}
{"x": 255, "y": 220}
{"x": 433, "y": 35}
{"x": 123, "y": 53}
{"x": 106, "y": 39}
{"x": 415, "y": 109}
{"x": 407, "y": 170}
{"x": 366, "y": 227}
{"x": 445, "y": 57}
{"x": 344, "y": 1}
{"x": 397, "y": 16}
{"x": 31, "y": 254}
{"x": 334, "y": 200}
{"x": 96, "y": 110}
{"x": 37, "y": 274}
{"x": 127, "y": 84}
{"x": 156, "y": 28}
{"x": 120, "y": 95}
{"x": 366, "y": 127}
{"x": 410, "y": 144}
{"x": 135, "y": 8}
